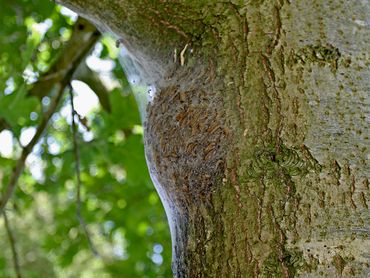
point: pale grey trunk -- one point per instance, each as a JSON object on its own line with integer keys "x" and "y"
{"x": 257, "y": 138}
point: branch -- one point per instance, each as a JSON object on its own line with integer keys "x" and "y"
{"x": 4, "y": 124}
{"x": 94, "y": 81}
{"x": 81, "y": 41}
{"x": 78, "y": 177}
{"x": 17, "y": 171}
{"x": 12, "y": 245}
{"x": 83, "y": 38}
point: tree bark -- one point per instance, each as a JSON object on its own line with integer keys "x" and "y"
{"x": 257, "y": 137}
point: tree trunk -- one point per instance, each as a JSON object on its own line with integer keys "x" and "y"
{"x": 257, "y": 135}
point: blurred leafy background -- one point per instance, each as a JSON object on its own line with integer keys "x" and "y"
{"x": 123, "y": 211}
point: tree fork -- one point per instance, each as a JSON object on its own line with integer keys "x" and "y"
{"x": 257, "y": 138}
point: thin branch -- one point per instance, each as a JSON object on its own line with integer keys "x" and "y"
{"x": 83, "y": 39}
{"x": 17, "y": 269}
{"x": 17, "y": 171}
{"x": 76, "y": 151}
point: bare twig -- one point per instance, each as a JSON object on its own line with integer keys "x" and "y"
{"x": 83, "y": 39}
{"x": 17, "y": 171}
{"x": 17, "y": 269}
{"x": 76, "y": 151}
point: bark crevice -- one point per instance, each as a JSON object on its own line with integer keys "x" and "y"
{"x": 257, "y": 139}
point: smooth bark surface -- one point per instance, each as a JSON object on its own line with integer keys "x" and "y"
{"x": 257, "y": 137}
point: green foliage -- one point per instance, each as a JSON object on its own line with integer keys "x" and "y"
{"x": 120, "y": 205}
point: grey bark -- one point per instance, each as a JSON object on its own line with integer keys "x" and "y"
{"x": 257, "y": 138}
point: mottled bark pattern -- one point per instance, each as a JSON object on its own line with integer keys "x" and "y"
{"x": 258, "y": 138}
